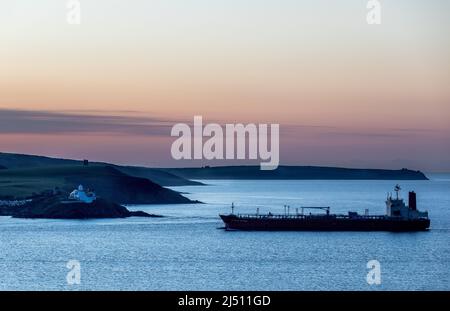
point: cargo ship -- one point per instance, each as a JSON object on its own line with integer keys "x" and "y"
{"x": 398, "y": 217}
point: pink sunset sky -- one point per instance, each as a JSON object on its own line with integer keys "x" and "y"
{"x": 345, "y": 93}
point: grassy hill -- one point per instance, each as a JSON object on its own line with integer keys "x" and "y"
{"x": 161, "y": 177}
{"x": 13, "y": 160}
{"x": 107, "y": 181}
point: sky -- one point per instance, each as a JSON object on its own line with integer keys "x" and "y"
{"x": 345, "y": 93}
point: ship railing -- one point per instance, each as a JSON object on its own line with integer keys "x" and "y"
{"x": 309, "y": 216}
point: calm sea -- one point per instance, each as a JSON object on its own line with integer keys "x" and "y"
{"x": 187, "y": 251}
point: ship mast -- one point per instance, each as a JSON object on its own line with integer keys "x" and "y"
{"x": 397, "y": 190}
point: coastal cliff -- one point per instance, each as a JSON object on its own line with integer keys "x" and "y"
{"x": 107, "y": 181}
{"x": 158, "y": 176}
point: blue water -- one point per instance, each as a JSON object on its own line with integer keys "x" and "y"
{"x": 186, "y": 251}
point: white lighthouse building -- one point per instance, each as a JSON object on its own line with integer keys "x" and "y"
{"x": 81, "y": 195}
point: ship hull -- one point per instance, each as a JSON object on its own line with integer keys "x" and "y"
{"x": 325, "y": 223}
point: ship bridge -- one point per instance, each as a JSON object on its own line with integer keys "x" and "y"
{"x": 396, "y": 207}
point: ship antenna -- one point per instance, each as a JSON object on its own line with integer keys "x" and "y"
{"x": 232, "y": 208}
{"x": 397, "y": 189}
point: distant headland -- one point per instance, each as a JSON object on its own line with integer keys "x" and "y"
{"x": 184, "y": 176}
{"x": 295, "y": 173}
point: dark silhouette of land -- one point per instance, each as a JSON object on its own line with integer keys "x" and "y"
{"x": 54, "y": 207}
{"x": 295, "y": 173}
{"x": 161, "y": 177}
{"x": 107, "y": 181}
{"x": 25, "y": 175}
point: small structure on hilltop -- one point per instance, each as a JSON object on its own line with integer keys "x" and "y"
{"x": 83, "y": 196}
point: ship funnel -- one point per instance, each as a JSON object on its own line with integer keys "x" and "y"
{"x": 412, "y": 201}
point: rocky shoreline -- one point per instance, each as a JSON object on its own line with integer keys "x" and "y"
{"x": 58, "y": 207}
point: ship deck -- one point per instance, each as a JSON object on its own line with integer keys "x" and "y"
{"x": 306, "y": 216}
